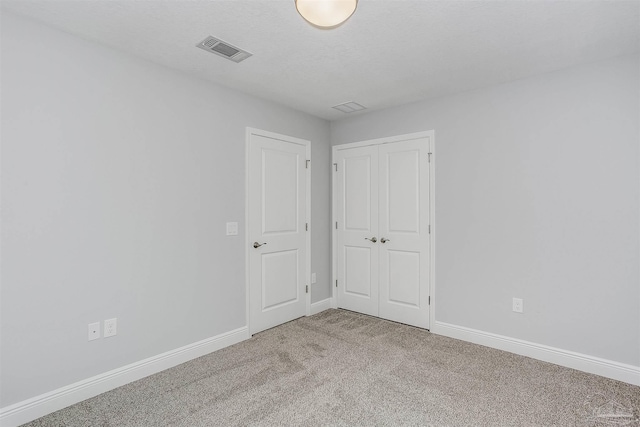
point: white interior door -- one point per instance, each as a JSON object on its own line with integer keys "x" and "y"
{"x": 382, "y": 213}
{"x": 277, "y": 215}
{"x": 357, "y": 257}
{"x": 404, "y": 232}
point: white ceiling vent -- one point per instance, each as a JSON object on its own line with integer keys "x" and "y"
{"x": 349, "y": 107}
{"x": 224, "y": 49}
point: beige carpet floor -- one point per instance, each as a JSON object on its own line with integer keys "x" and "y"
{"x": 339, "y": 368}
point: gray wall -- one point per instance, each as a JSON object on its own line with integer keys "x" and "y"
{"x": 118, "y": 176}
{"x": 537, "y": 188}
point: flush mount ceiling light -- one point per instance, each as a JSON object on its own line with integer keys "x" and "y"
{"x": 326, "y": 13}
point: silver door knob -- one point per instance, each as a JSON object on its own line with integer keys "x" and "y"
{"x": 373, "y": 239}
{"x": 257, "y": 245}
{"x": 383, "y": 240}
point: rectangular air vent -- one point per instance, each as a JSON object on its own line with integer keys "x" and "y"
{"x": 224, "y": 49}
{"x": 349, "y": 107}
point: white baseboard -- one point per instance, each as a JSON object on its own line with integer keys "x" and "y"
{"x": 320, "y": 306}
{"x": 28, "y": 410}
{"x": 36, "y": 407}
{"x": 582, "y": 362}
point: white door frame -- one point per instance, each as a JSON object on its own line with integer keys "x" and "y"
{"x": 248, "y": 245}
{"x": 432, "y": 211}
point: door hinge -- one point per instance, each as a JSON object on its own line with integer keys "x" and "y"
{"x": 429, "y": 300}
{"x": 336, "y": 283}
{"x": 429, "y": 228}
{"x": 306, "y": 226}
{"x": 336, "y": 225}
{"x": 336, "y": 166}
{"x": 307, "y": 164}
{"x": 430, "y": 157}
{"x": 306, "y": 289}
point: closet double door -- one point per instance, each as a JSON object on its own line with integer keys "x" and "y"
{"x": 382, "y": 229}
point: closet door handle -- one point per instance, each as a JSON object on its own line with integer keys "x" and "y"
{"x": 257, "y": 245}
{"x": 372, "y": 239}
{"x": 383, "y": 240}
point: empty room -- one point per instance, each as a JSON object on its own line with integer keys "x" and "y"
{"x": 320, "y": 213}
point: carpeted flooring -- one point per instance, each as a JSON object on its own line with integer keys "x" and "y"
{"x": 339, "y": 368}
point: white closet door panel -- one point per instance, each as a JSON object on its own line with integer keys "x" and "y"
{"x": 403, "y": 224}
{"x": 357, "y": 201}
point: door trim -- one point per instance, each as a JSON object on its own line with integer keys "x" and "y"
{"x": 432, "y": 211}
{"x": 272, "y": 135}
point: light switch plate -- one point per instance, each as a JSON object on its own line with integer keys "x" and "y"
{"x": 232, "y": 229}
{"x": 313, "y": 277}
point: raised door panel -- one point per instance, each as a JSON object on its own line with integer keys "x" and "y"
{"x": 404, "y": 277}
{"x": 357, "y": 193}
{"x": 403, "y": 207}
{"x": 280, "y": 207}
{"x": 279, "y": 279}
{"x": 358, "y": 266}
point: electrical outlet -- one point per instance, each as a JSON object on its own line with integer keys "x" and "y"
{"x": 110, "y": 327}
{"x": 518, "y": 305}
{"x": 313, "y": 277}
{"x": 94, "y": 331}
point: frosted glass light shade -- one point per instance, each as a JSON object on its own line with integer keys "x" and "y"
{"x": 326, "y": 13}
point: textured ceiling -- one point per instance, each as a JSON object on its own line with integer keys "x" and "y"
{"x": 389, "y": 53}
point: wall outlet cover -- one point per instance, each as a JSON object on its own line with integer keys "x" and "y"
{"x": 94, "y": 331}
{"x": 110, "y": 327}
{"x": 518, "y": 305}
